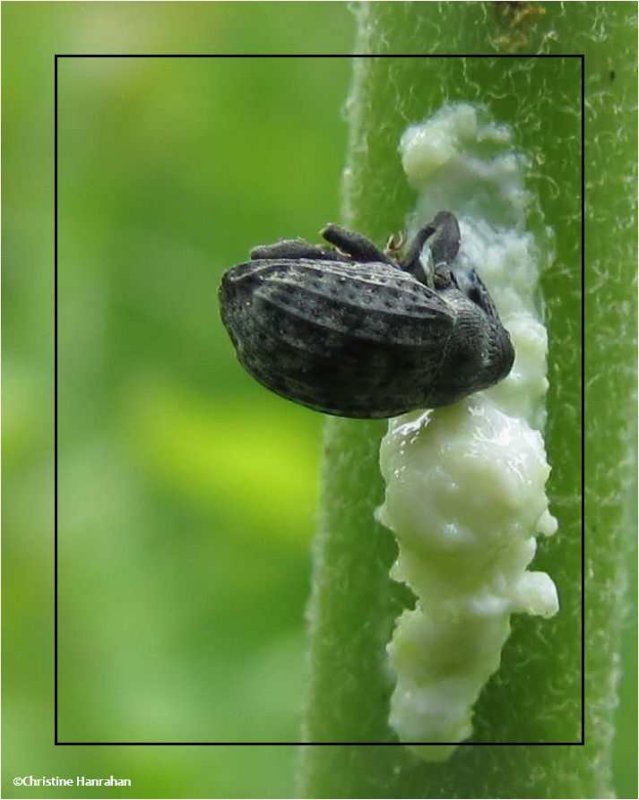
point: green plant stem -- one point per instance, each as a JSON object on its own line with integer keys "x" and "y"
{"x": 536, "y": 694}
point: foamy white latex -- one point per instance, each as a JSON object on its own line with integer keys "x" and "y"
{"x": 465, "y": 485}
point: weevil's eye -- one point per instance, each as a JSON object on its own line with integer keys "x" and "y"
{"x": 474, "y": 294}
{"x": 471, "y": 285}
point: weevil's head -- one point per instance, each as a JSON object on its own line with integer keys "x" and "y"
{"x": 471, "y": 285}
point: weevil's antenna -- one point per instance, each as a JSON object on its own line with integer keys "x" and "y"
{"x": 357, "y": 246}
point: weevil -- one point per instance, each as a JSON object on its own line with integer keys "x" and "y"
{"x": 355, "y": 331}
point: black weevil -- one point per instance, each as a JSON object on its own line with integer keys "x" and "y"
{"x": 358, "y": 332}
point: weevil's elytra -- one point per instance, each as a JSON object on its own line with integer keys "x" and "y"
{"x": 358, "y": 332}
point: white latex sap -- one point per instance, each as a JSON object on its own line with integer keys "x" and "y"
{"x": 465, "y": 485}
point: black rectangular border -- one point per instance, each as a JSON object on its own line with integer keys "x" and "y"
{"x": 56, "y": 57}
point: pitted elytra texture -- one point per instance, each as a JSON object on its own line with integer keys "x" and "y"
{"x": 358, "y": 333}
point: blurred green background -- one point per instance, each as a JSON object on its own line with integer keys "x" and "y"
{"x": 187, "y": 493}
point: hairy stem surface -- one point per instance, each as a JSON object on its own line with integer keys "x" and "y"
{"x": 536, "y": 695}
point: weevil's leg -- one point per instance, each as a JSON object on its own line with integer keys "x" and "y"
{"x": 443, "y": 237}
{"x": 357, "y": 246}
{"x": 295, "y": 249}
